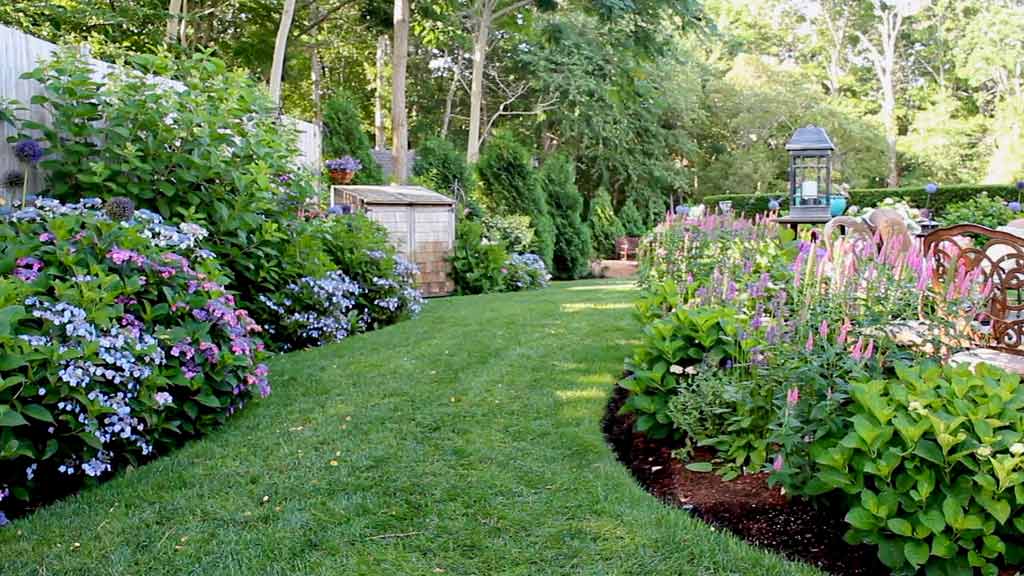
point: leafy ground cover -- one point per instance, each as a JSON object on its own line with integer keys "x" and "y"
{"x": 466, "y": 442}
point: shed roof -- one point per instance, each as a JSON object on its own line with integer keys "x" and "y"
{"x": 402, "y": 195}
{"x": 810, "y": 138}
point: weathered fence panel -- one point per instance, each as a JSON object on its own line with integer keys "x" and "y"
{"x": 20, "y": 53}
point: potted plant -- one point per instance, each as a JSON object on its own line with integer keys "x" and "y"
{"x": 343, "y": 169}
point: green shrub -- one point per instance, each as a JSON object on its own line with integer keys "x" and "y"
{"x": 514, "y": 232}
{"x": 945, "y": 196}
{"x": 746, "y": 204}
{"x": 933, "y": 464}
{"x": 686, "y": 339}
{"x": 211, "y": 152}
{"x": 572, "y": 237}
{"x": 477, "y": 263}
{"x": 511, "y": 187}
{"x": 605, "y": 227}
{"x": 442, "y": 168}
{"x": 118, "y": 341}
{"x": 632, "y": 222}
{"x": 343, "y": 135}
{"x": 982, "y": 209}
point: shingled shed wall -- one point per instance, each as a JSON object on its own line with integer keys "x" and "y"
{"x": 420, "y": 223}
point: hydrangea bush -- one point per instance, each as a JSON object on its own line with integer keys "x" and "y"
{"x": 118, "y": 342}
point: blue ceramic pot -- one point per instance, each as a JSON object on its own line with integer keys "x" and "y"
{"x": 837, "y": 206}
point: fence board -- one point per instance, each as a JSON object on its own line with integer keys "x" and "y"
{"x": 20, "y": 53}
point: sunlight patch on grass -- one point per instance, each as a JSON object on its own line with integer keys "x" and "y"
{"x": 623, "y": 287}
{"x": 579, "y": 306}
{"x": 586, "y": 394}
{"x": 597, "y": 379}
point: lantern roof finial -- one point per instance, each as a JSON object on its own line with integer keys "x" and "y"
{"x": 810, "y": 138}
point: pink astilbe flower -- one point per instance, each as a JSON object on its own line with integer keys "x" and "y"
{"x": 870, "y": 351}
{"x": 857, "y": 351}
{"x": 823, "y": 329}
{"x": 777, "y": 463}
{"x": 810, "y": 343}
{"x": 792, "y": 396}
{"x": 844, "y": 332}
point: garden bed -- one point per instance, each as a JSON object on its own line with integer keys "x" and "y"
{"x": 747, "y": 506}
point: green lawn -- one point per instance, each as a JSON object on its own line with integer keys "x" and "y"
{"x": 465, "y": 442}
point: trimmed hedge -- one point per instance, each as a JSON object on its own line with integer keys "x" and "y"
{"x": 745, "y": 203}
{"x": 944, "y": 196}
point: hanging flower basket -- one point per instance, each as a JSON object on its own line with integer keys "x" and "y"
{"x": 343, "y": 169}
{"x": 341, "y": 176}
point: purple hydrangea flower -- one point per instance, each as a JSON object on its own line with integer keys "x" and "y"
{"x": 28, "y": 151}
{"x": 344, "y": 164}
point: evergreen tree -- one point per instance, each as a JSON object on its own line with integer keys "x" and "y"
{"x": 605, "y": 227}
{"x": 572, "y": 237}
{"x": 343, "y": 136}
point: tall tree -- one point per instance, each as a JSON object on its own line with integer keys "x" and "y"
{"x": 280, "y": 45}
{"x": 882, "y": 46}
{"x": 380, "y": 135}
{"x": 484, "y": 16}
{"x": 399, "y": 114}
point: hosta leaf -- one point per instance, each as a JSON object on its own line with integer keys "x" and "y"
{"x": 900, "y": 526}
{"x": 929, "y": 451}
{"x": 932, "y": 518}
{"x": 891, "y": 553}
{"x": 861, "y": 519}
{"x": 917, "y": 552}
{"x": 700, "y": 467}
{"x": 942, "y": 546}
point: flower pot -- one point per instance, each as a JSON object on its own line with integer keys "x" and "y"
{"x": 341, "y": 176}
{"x": 837, "y": 206}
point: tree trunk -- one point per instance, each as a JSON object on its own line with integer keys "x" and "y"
{"x": 317, "y": 73}
{"x": 280, "y": 45}
{"x": 891, "y": 132}
{"x": 173, "y": 21}
{"x": 380, "y": 135}
{"x": 476, "y": 93}
{"x": 399, "y": 119}
{"x": 449, "y": 102}
{"x": 183, "y": 28}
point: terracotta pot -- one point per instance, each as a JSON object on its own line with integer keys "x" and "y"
{"x": 342, "y": 176}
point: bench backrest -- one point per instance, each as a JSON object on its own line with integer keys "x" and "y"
{"x": 627, "y": 245}
{"x": 997, "y": 257}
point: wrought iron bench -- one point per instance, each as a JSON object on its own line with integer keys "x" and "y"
{"x": 997, "y": 257}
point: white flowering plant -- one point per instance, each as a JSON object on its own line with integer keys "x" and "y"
{"x": 118, "y": 341}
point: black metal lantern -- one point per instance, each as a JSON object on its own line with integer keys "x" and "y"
{"x": 810, "y": 172}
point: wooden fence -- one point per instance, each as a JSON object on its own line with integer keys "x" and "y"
{"x": 20, "y": 53}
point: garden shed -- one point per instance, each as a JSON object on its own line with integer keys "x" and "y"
{"x": 420, "y": 222}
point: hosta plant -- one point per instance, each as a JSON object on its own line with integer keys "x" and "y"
{"x": 117, "y": 342}
{"x": 933, "y": 466}
{"x": 672, "y": 349}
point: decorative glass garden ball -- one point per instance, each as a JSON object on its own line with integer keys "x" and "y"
{"x": 931, "y": 188}
{"x": 773, "y": 204}
{"x": 1020, "y": 185}
{"x": 682, "y": 210}
{"x": 1013, "y": 206}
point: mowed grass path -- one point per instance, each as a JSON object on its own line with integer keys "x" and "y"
{"x": 466, "y": 442}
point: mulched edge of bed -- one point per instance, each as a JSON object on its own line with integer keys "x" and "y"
{"x": 746, "y": 506}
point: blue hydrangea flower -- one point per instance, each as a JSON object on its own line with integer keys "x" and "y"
{"x": 28, "y": 151}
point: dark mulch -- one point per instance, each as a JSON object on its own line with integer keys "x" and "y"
{"x": 747, "y": 506}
